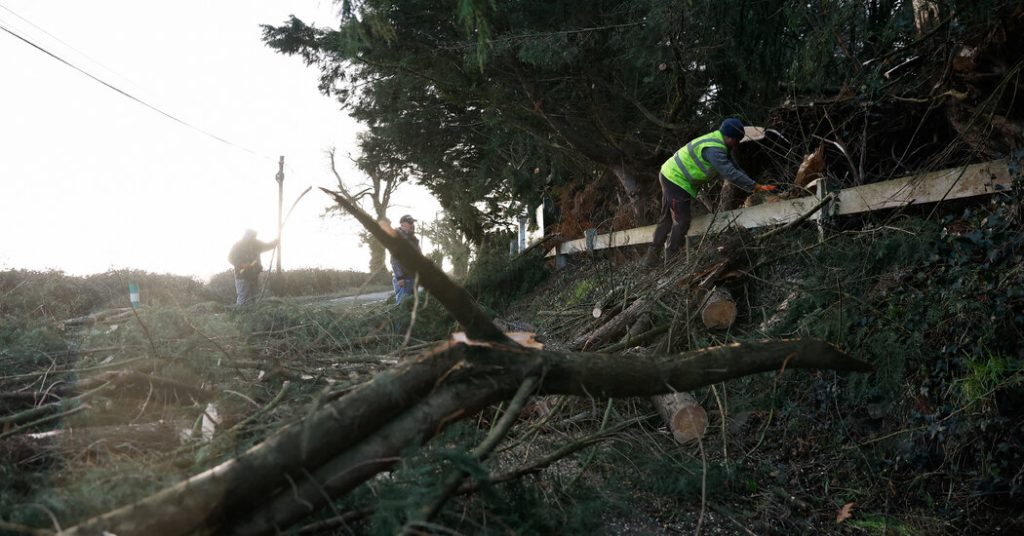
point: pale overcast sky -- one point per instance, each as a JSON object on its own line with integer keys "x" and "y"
{"x": 91, "y": 180}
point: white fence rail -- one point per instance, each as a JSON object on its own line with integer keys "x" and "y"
{"x": 954, "y": 183}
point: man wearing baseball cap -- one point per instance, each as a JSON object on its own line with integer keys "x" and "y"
{"x": 682, "y": 177}
{"x": 403, "y": 281}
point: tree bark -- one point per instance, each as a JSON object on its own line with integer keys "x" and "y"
{"x": 454, "y": 298}
{"x": 349, "y": 440}
{"x": 377, "y": 251}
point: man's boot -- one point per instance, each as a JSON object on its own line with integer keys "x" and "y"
{"x": 673, "y": 255}
{"x": 652, "y": 258}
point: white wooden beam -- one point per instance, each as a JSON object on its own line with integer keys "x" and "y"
{"x": 955, "y": 183}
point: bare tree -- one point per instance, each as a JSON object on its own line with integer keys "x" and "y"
{"x": 383, "y": 180}
{"x": 449, "y": 242}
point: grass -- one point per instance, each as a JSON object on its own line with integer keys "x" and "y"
{"x": 883, "y": 526}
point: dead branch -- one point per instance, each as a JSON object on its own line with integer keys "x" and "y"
{"x": 15, "y": 528}
{"x": 31, "y": 375}
{"x": 19, "y": 429}
{"x": 803, "y": 217}
{"x": 545, "y": 461}
{"x": 51, "y": 408}
{"x": 110, "y": 315}
{"x": 621, "y": 322}
{"x": 469, "y": 487}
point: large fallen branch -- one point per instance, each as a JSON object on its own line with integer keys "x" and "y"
{"x": 454, "y": 298}
{"x": 350, "y": 440}
{"x": 347, "y": 441}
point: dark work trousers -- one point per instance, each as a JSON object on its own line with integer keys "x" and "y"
{"x": 675, "y": 215}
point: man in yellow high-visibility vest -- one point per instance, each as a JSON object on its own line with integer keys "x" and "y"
{"x": 682, "y": 177}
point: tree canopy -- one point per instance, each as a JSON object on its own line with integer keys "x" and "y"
{"x": 487, "y": 103}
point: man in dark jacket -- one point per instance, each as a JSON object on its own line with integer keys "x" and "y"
{"x": 245, "y": 257}
{"x": 403, "y": 281}
{"x": 682, "y": 177}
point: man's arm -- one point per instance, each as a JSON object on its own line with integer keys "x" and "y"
{"x": 397, "y": 269}
{"x": 267, "y": 246}
{"x": 727, "y": 169}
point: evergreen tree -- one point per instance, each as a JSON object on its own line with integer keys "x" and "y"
{"x": 476, "y": 95}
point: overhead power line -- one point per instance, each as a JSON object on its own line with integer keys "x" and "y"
{"x": 66, "y": 44}
{"x": 128, "y": 95}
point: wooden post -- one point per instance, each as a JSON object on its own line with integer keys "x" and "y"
{"x": 523, "y": 219}
{"x": 590, "y": 235}
{"x": 824, "y": 216}
{"x": 560, "y": 259}
{"x": 280, "y": 207}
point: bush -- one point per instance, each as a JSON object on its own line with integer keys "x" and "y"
{"x": 496, "y": 281}
{"x": 303, "y": 282}
{"x": 54, "y": 295}
{"x": 938, "y": 310}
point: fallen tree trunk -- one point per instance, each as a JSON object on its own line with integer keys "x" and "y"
{"x": 349, "y": 440}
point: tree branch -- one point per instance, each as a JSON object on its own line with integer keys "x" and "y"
{"x": 454, "y": 298}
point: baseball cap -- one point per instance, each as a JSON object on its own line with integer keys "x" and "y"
{"x": 407, "y": 219}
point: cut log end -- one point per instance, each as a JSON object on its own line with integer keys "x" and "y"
{"x": 720, "y": 310}
{"x": 688, "y": 424}
{"x": 685, "y": 417}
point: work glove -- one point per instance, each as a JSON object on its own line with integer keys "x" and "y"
{"x": 764, "y": 187}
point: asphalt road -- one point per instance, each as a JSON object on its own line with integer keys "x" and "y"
{"x": 361, "y": 298}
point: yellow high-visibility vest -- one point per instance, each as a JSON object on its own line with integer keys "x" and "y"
{"x": 688, "y": 168}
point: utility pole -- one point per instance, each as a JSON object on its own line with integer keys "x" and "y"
{"x": 280, "y": 205}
